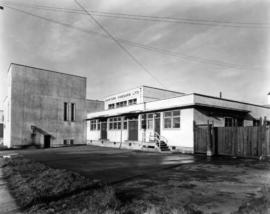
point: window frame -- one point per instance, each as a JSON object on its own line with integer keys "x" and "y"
{"x": 169, "y": 118}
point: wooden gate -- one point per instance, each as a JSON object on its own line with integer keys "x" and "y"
{"x": 202, "y": 137}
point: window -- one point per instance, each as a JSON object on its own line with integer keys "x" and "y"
{"x": 172, "y": 119}
{"x": 125, "y": 123}
{"x": 147, "y": 121}
{"x": 121, "y": 104}
{"x": 68, "y": 142}
{"x": 256, "y": 122}
{"x": 65, "y": 111}
{"x": 72, "y": 116}
{"x": 94, "y": 125}
{"x": 230, "y": 122}
{"x": 111, "y": 106}
{"x": 115, "y": 123}
{"x": 132, "y": 102}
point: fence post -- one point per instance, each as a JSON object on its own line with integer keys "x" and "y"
{"x": 209, "y": 151}
{"x": 194, "y": 136}
{"x": 264, "y": 138}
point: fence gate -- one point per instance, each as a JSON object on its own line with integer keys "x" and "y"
{"x": 202, "y": 137}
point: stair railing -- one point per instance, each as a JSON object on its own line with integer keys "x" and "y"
{"x": 158, "y": 138}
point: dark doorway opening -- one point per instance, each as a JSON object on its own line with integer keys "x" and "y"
{"x": 133, "y": 130}
{"x": 47, "y": 141}
{"x": 104, "y": 130}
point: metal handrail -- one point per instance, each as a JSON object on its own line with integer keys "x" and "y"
{"x": 159, "y": 138}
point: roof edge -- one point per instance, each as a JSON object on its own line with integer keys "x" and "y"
{"x": 44, "y": 70}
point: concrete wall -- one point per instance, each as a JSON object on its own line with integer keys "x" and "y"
{"x": 94, "y": 106}
{"x": 7, "y": 112}
{"x": 37, "y": 98}
{"x": 153, "y": 94}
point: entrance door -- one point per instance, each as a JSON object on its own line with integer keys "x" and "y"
{"x": 47, "y": 141}
{"x": 133, "y": 130}
{"x": 157, "y": 123}
{"x": 104, "y": 130}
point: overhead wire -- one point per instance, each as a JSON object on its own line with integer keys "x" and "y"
{"x": 194, "y": 59}
{"x": 126, "y": 16}
{"x": 119, "y": 44}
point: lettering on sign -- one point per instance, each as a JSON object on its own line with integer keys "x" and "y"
{"x": 129, "y": 94}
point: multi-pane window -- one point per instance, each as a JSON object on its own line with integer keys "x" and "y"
{"x": 72, "y": 116}
{"x": 230, "y": 122}
{"x": 172, "y": 119}
{"x": 94, "y": 125}
{"x": 111, "y": 106}
{"x": 115, "y": 123}
{"x": 65, "y": 111}
{"x": 125, "y": 123}
{"x": 121, "y": 104}
{"x": 68, "y": 141}
{"x": 147, "y": 121}
{"x": 132, "y": 102}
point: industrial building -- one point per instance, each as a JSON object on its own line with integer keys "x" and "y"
{"x": 151, "y": 118}
{"x": 45, "y": 108}
{"x": 49, "y": 109}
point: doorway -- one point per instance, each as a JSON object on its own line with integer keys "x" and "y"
{"x": 157, "y": 122}
{"x": 103, "y": 130}
{"x": 47, "y": 141}
{"x": 133, "y": 130}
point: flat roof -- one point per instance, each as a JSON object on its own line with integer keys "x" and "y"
{"x": 162, "y": 89}
{"x": 44, "y": 70}
{"x": 141, "y": 86}
{"x": 235, "y": 101}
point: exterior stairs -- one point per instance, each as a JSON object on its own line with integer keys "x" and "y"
{"x": 160, "y": 142}
{"x": 163, "y": 147}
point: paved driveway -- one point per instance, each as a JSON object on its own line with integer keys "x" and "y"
{"x": 109, "y": 165}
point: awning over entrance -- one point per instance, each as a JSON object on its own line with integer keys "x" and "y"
{"x": 36, "y": 129}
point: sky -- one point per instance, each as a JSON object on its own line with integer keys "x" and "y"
{"x": 196, "y": 56}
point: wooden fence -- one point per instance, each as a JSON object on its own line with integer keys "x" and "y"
{"x": 251, "y": 141}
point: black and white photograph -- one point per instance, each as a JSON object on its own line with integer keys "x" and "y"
{"x": 135, "y": 107}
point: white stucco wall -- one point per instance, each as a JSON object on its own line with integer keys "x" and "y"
{"x": 183, "y": 136}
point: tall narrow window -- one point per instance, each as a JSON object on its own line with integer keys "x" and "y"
{"x": 73, "y": 112}
{"x": 65, "y": 111}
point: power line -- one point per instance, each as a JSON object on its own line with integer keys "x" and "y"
{"x": 119, "y": 44}
{"x": 126, "y": 16}
{"x": 194, "y": 59}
